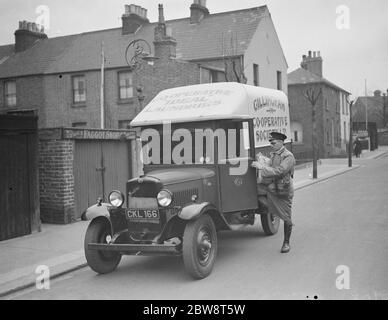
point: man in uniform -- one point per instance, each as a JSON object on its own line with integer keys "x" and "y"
{"x": 279, "y": 184}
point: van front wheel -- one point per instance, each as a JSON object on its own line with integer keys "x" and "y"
{"x": 200, "y": 246}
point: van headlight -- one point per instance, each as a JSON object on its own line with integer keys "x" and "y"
{"x": 164, "y": 198}
{"x": 116, "y": 198}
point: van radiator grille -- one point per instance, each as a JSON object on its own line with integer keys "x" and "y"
{"x": 184, "y": 197}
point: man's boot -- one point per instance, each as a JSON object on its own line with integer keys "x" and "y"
{"x": 287, "y": 234}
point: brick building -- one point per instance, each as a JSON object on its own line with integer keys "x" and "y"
{"x": 59, "y": 78}
{"x": 376, "y": 107}
{"x": 332, "y": 111}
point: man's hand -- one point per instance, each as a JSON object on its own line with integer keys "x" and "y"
{"x": 257, "y": 165}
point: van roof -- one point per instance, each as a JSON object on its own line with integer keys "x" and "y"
{"x": 211, "y": 101}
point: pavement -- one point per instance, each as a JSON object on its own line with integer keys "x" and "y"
{"x": 60, "y": 247}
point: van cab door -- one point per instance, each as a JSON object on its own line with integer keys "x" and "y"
{"x": 237, "y": 179}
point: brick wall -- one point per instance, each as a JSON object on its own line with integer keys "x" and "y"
{"x": 300, "y": 111}
{"x": 165, "y": 74}
{"x": 29, "y": 96}
{"x": 56, "y": 181}
{"x": 60, "y": 110}
{"x": 383, "y": 137}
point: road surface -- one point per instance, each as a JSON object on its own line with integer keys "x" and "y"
{"x": 339, "y": 250}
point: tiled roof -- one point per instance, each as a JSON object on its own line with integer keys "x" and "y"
{"x": 83, "y": 51}
{"x": 374, "y": 107}
{"x": 303, "y": 76}
{"x": 373, "y": 103}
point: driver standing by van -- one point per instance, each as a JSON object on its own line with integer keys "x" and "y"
{"x": 277, "y": 176}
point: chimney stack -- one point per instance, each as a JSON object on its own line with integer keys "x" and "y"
{"x": 198, "y": 11}
{"x": 133, "y": 18}
{"x": 313, "y": 63}
{"x": 165, "y": 44}
{"x": 377, "y": 93}
{"x": 27, "y": 34}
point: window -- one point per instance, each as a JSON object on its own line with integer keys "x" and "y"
{"x": 124, "y": 124}
{"x": 79, "y": 124}
{"x": 210, "y": 76}
{"x": 297, "y": 132}
{"x": 10, "y": 93}
{"x": 279, "y": 80}
{"x": 255, "y": 75}
{"x": 125, "y": 85}
{"x": 79, "y": 91}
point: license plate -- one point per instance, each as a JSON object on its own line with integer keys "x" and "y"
{"x": 143, "y": 215}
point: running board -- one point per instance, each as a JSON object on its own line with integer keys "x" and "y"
{"x": 137, "y": 249}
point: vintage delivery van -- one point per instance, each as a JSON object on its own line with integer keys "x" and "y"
{"x": 197, "y": 144}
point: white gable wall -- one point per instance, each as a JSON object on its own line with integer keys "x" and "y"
{"x": 265, "y": 50}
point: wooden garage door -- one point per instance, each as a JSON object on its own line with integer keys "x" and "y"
{"x": 14, "y": 186}
{"x": 99, "y": 167}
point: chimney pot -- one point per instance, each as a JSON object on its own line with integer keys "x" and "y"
{"x": 27, "y": 34}
{"x": 198, "y": 11}
{"x": 377, "y": 93}
{"x": 161, "y": 14}
{"x": 135, "y": 16}
{"x": 313, "y": 63}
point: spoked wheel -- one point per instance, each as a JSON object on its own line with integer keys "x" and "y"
{"x": 200, "y": 247}
{"x": 270, "y": 223}
{"x": 100, "y": 261}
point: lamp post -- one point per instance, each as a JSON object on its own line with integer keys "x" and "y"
{"x": 137, "y": 51}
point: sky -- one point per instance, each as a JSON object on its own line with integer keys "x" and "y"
{"x": 352, "y": 35}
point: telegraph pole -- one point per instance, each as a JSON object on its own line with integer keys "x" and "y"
{"x": 384, "y": 111}
{"x": 350, "y": 148}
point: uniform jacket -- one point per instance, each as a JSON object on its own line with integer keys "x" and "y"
{"x": 280, "y": 174}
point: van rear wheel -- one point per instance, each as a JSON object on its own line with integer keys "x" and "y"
{"x": 200, "y": 247}
{"x": 270, "y": 224}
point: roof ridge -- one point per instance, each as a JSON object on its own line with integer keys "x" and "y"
{"x": 150, "y": 23}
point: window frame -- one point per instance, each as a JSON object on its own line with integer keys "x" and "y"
{"x": 279, "y": 78}
{"x": 119, "y": 85}
{"x": 6, "y": 95}
{"x": 256, "y": 75}
{"x": 80, "y": 124}
{"x": 73, "y": 77}
{"x": 123, "y": 121}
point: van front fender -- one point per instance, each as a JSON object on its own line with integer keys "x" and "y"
{"x": 97, "y": 210}
{"x": 195, "y": 210}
